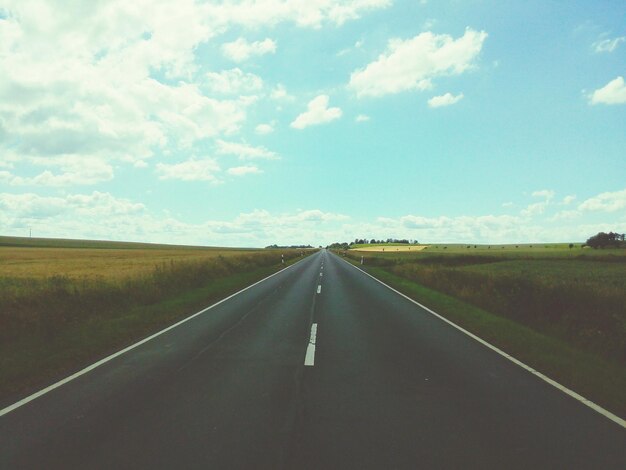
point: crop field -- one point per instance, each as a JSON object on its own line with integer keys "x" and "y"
{"x": 66, "y": 302}
{"x": 388, "y": 248}
{"x": 97, "y": 263}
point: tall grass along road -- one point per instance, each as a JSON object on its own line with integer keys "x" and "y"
{"x": 318, "y": 366}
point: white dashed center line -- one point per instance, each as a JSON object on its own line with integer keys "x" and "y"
{"x": 319, "y": 289}
{"x": 309, "y": 360}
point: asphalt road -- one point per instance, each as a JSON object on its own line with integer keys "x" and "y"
{"x": 387, "y": 385}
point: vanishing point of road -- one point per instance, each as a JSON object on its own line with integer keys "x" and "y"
{"x": 317, "y": 367}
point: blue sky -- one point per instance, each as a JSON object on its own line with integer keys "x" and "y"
{"x": 247, "y": 123}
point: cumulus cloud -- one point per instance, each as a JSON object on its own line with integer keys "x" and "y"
{"x": 233, "y": 81}
{"x": 463, "y": 229}
{"x": 362, "y": 118}
{"x": 264, "y": 129}
{"x": 545, "y": 193}
{"x": 103, "y": 216}
{"x": 69, "y": 170}
{"x": 539, "y": 208}
{"x": 30, "y": 206}
{"x": 613, "y": 92}
{"x": 605, "y": 202}
{"x": 310, "y": 13}
{"x": 243, "y": 170}
{"x": 280, "y": 93}
{"x": 125, "y": 83}
{"x": 190, "y": 170}
{"x": 244, "y": 151}
{"x": 84, "y": 89}
{"x": 412, "y": 64}
{"x": 444, "y": 100}
{"x": 608, "y": 45}
{"x": 241, "y": 50}
{"x": 317, "y": 112}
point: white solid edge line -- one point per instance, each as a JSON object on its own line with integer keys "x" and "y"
{"x": 61, "y": 382}
{"x": 309, "y": 359}
{"x": 606, "y": 413}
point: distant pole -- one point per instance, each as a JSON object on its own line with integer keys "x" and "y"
{"x": 30, "y": 233}
{"x": 361, "y": 260}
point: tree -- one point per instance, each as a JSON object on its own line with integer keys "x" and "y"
{"x": 606, "y": 240}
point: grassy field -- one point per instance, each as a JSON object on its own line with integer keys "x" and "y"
{"x": 388, "y": 247}
{"x": 107, "y": 264}
{"x": 574, "y": 297}
{"x": 64, "y": 306}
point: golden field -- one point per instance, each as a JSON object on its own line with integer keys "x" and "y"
{"x": 108, "y": 264}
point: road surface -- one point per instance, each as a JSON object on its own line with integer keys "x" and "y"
{"x": 317, "y": 367}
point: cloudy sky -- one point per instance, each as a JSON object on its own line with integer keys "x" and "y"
{"x": 252, "y": 122}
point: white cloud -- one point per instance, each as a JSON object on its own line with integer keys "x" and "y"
{"x": 605, "y": 202}
{"x": 190, "y": 170}
{"x": 362, "y": 118}
{"x": 280, "y": 93}
{"x": 444, "y": 100}
{"x": 244, "y": 151}
{"x": 567, "y": 200}
{"x": 613, "y": 92}
{"x": 545, "y": 193}
{"x": 461, "y": 229}
{"x": 412, "y": 64}
{"x": 241, "y": 50}
{"x": 317, "y": 112}
{"x": 539, "y": 208}
{"x": 264, "y": 129}
{"x": 233, "y": 81}
{"x": 347, "y": 50}
{"x": 27, "y": 207}
{"x": 70, "y": 170}
{"x": 565, "y": 215}
{"x": 608, "y": 45}
{"x": 243, "y": 170}
{"x": 309, "y": 13}
{"x": 83, "y": 89}
{"x": 102, "y": 216}
{"x": 78, "y": 79}
{"x": 534, "y": 209}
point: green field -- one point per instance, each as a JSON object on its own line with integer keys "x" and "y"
{"x": 65, "y": 303}
{"x": 98, "y": 244}
{"x": 575, "y": 298}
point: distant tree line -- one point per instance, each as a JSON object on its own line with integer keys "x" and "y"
{"x": 276, "y": 247}
{"x": 373, "y": 241}
{"x": 606, "y": 240}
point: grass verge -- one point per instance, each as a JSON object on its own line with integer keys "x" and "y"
{"x": 592, "y": 376}
{"x": 32, "y": 360}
